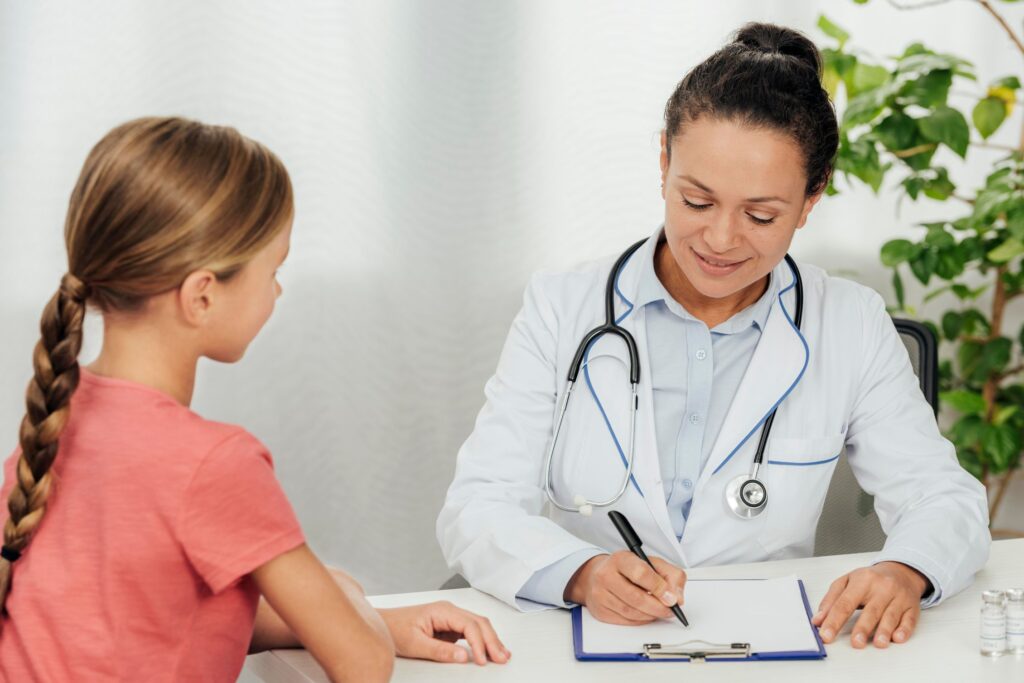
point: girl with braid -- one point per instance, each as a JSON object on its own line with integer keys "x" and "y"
{"x": 140, "y": 536}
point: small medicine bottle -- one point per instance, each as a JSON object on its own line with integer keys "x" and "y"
{"x": 1015, "y": 620}
{"x": 993, "y": 623}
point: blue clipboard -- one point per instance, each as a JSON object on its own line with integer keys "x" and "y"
{"x": 581, "y": 655}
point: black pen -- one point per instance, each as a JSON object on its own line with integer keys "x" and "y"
{"x": 633, "y": 542}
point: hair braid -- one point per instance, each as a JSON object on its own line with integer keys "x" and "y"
{"x": 47, "y": 401}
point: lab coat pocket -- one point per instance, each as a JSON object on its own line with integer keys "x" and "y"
{"x": 797, "y": 474}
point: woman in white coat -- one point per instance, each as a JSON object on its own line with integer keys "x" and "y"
{"x": 747, "y": 151}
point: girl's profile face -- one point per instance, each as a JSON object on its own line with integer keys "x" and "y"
{"x": 734, "y": 196}
{"x": 246, "y": 302}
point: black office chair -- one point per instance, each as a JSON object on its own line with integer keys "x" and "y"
{"x": 848, "y": 523}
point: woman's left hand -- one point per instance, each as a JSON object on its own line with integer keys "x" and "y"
{"x": 889, "y": 594}
{"x": 430, "y": 632}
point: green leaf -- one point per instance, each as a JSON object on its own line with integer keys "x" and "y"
{"x": 968, "y": 357}
{"x": 966, "y": 431}
{"x": 923, "y": 265}
{"x": 975, "y": 323}
{"x": 913, "y": 184}
{"x": 1004, "y": 414}
{"x": 930, "y": 90}
{"x": 832, "y": 30}
{"x": 937, "y": 293}
{"x": 897, "y": 285}
{"x": 988, "y": 115}
{"x": 964, "y": 293}
{"x": 939, "y": 187}
{"x": 996, "y": 354}
{"x": 1001, "y": 446}
{"x": 866, "y": 106}
{"x": 860, "y": 158}
{"x": 1007, "y": 250}
{"x": 865, "y": 77}
{"x": 964, "y": 402}
{"x": 946, "y": 126}
{"x": 895, "y": 252}
{"x": 926, "y": 61}
{"x": 1011, "y": 82}
{"x": 897, "y": 132}
{"x": 1015, "y": 222}
{"x": 952, "y": 323}
{"x": 948, "y": 265}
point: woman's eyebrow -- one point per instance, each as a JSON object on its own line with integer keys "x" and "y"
{"x": 752, "y": 200}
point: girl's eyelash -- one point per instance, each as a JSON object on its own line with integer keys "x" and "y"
{"x": 702, "y": 207}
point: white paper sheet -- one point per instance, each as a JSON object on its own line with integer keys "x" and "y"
{"x": 768, "y": 614}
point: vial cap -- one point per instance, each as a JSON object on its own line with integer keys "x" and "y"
{"x": 993, "y": 596}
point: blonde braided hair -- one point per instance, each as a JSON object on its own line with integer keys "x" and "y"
{"x": 157, "y": 199}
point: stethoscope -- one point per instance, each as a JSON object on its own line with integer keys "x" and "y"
{"x": 746, "y": 495}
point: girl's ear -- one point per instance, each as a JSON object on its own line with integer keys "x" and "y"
{"x": 196, "y": 296}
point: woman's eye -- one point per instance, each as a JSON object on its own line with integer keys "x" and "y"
{"x": 695, "y": 207}
{"x": 761, "y": 221}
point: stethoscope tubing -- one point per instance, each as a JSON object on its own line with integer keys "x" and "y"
{"x": 610, "y": 326}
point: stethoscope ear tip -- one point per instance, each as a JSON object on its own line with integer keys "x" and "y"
{"x": 586, "y": 510}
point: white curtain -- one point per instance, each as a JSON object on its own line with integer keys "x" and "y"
{"x": 441, "y": 150}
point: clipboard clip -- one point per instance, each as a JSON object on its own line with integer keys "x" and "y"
{"x": 697, "y": 650}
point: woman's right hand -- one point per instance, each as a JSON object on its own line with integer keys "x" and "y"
{"x": 622, "y": 589}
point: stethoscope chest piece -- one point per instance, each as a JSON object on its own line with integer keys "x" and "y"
{"x": 746, "y": 496}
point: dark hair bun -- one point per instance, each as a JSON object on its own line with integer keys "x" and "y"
{"x": 768, "y": 76}
{"x": 780, "y": 40}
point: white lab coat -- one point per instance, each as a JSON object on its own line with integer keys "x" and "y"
{"x": 845, "y": 378}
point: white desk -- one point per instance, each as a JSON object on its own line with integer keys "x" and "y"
{"x": 944, "y": 647}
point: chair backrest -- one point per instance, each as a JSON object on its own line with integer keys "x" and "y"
{"x": 848, "y": 523}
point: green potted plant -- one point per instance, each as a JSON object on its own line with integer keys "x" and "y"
{"x": 898, "y": 113}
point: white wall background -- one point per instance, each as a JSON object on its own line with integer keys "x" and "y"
{"x": 441, "y": 151}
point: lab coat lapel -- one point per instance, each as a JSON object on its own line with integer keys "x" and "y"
{"x": 775, "y": 369}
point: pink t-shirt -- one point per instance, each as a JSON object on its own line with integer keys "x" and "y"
{"x": 139, "y": 569}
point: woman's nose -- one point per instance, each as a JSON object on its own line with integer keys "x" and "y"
{"x": 722, "y": 233}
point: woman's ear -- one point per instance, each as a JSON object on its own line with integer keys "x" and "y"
{"x": 196, "y": 296}
{"x": 809, "y": 203}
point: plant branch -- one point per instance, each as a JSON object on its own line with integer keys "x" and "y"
{"x": 917, "y": 5}
{"x": 1004, "y": 485}
{"x": 991, "y": 386}
{"x": 991, "y": 145}
{"x": 912, "y": 151}
{"x": 1011, "y": 371}
{"x": 1002, "y": 22}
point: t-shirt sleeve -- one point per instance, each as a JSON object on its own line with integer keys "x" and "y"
{"x": 235, "y": 516}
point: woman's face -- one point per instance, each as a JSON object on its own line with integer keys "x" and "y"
{"x": 734, "y": 196}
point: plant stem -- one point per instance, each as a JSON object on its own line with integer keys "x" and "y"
{"x": 1004, "y": 485}
{"x": 988, "y": 392}
{"x": 904, "y": 153}
{"x": 1002, "y": 22}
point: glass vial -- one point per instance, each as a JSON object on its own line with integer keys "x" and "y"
{"x": 993, "y": 623}
{"x": 1015, "y": 620}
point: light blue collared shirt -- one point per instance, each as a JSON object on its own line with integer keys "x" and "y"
{"x": 694, "y": 373}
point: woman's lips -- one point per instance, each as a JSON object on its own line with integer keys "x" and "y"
{"x": 717, "y": 267}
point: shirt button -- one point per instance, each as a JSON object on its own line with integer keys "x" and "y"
{"x": 687, "y": 483}
{"x": 701, "y": 354}
{"x": 694, "y": 418}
